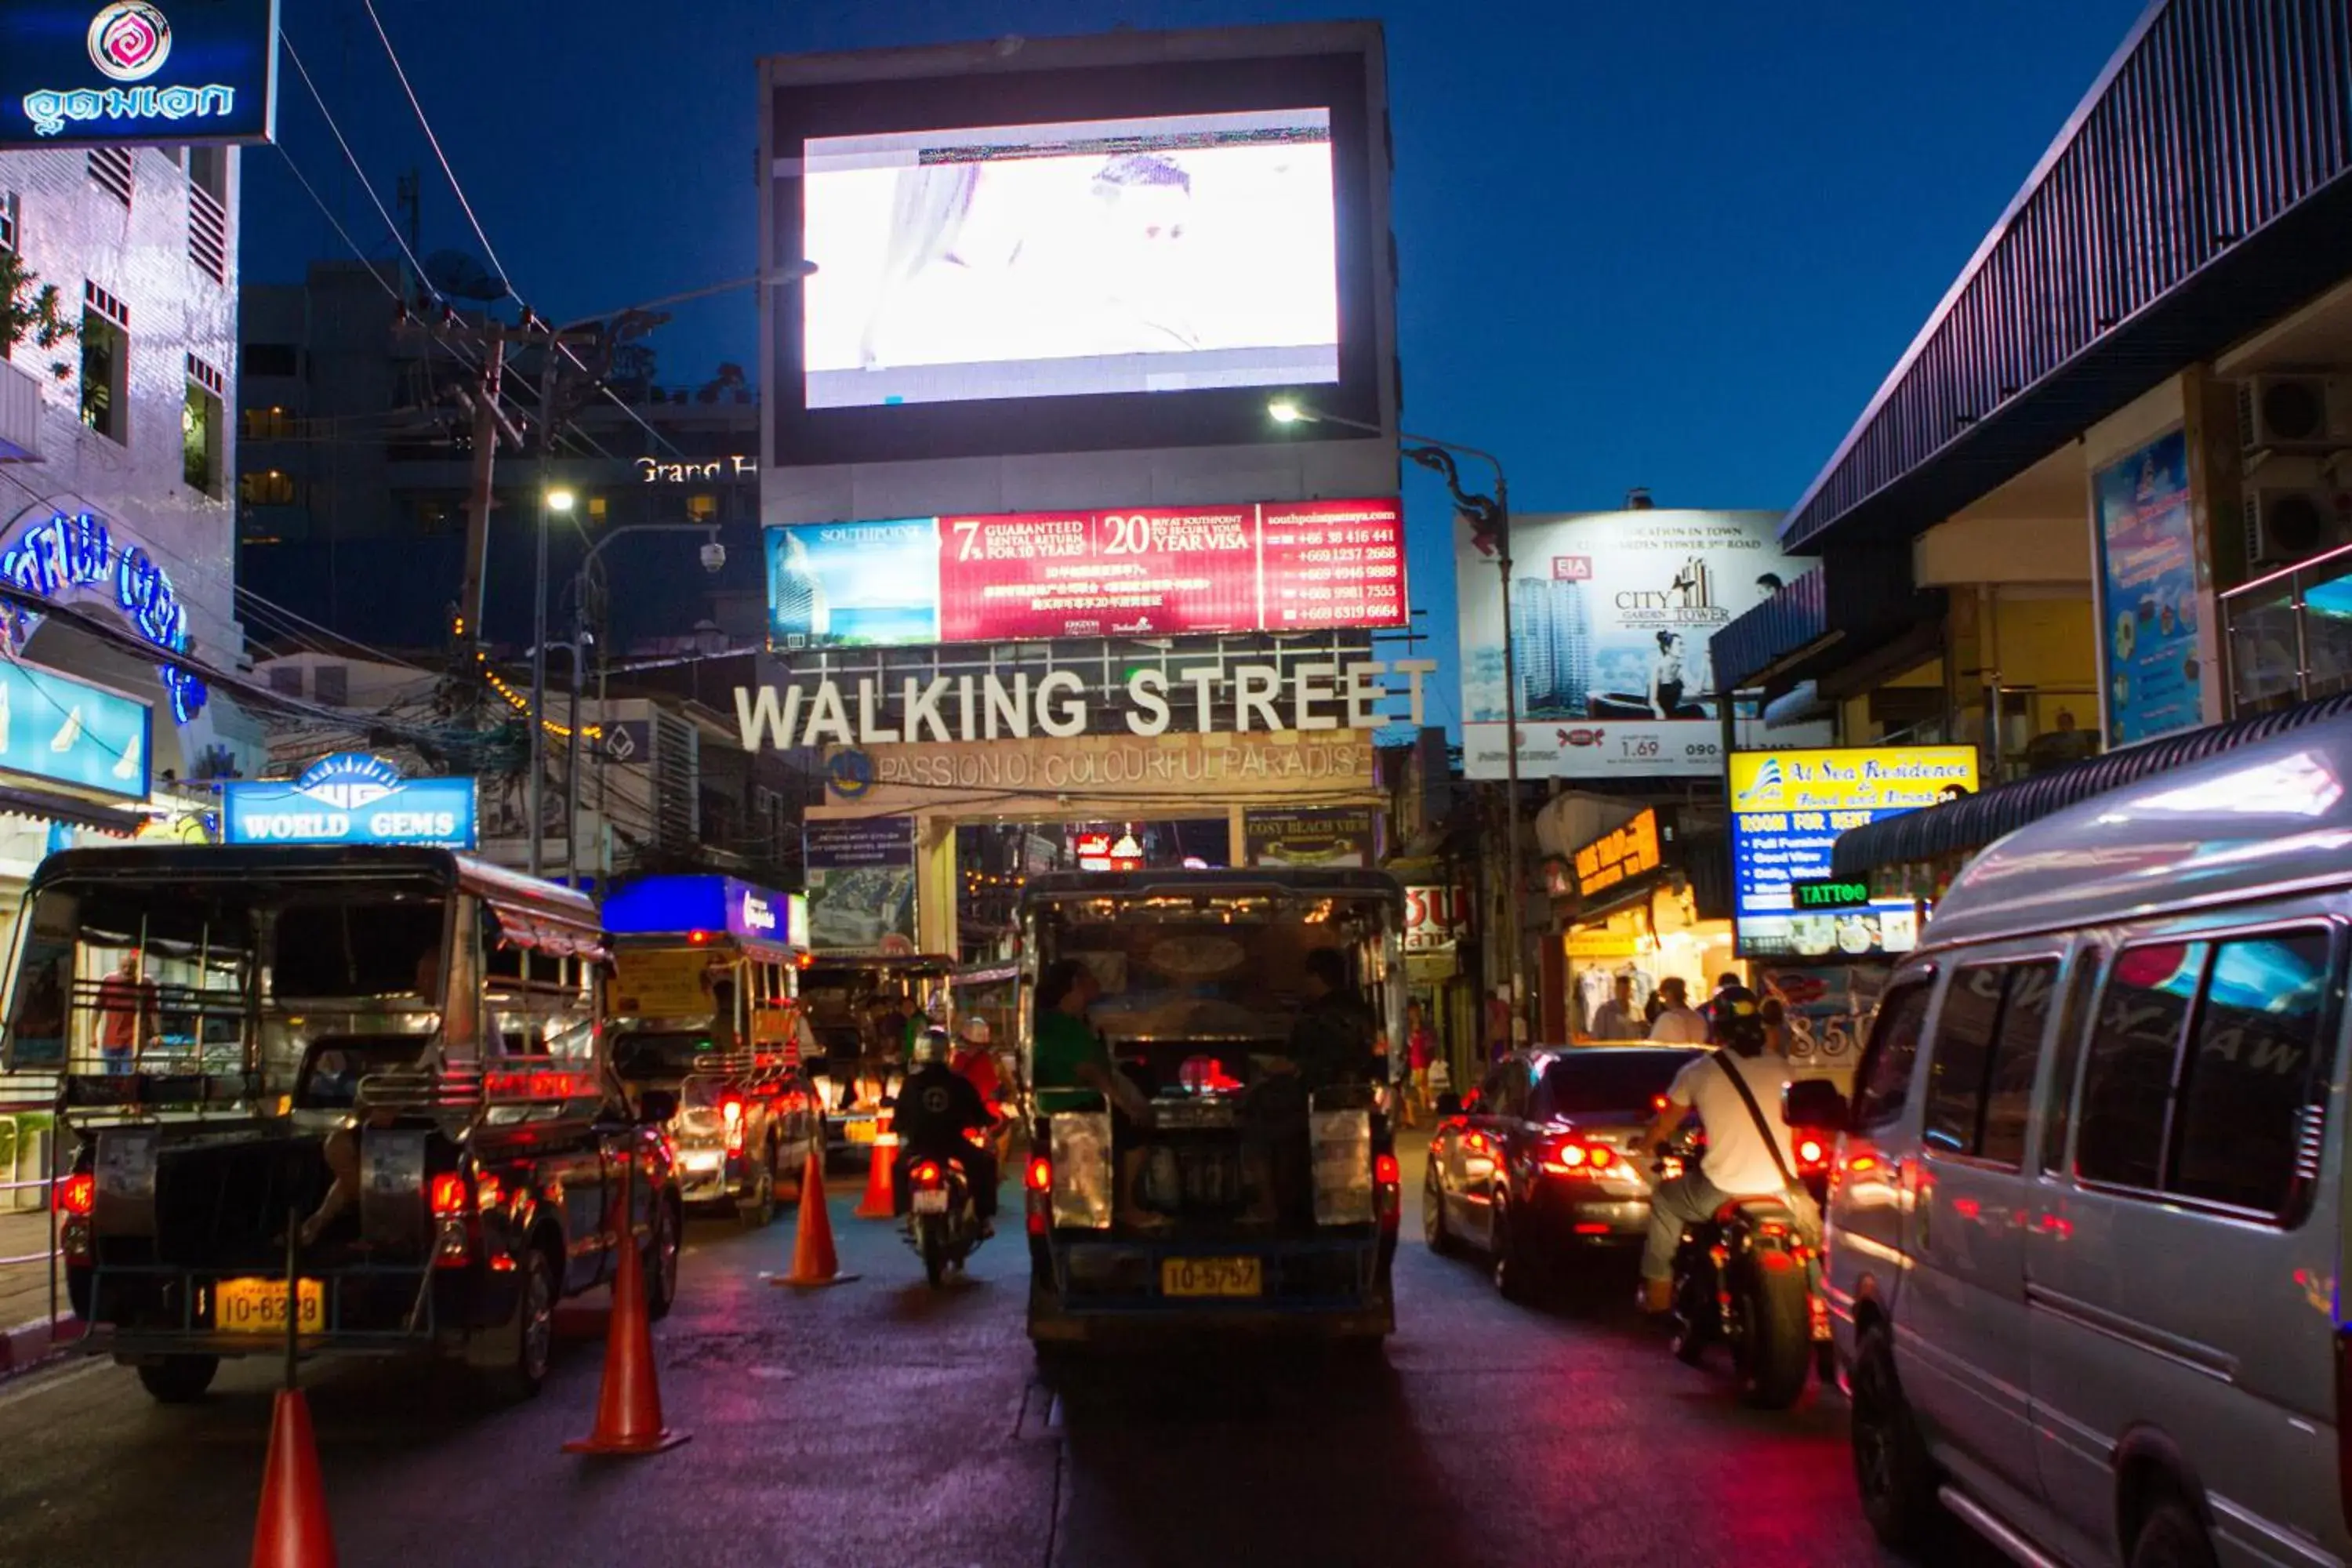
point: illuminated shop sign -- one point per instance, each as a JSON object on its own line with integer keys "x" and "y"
{"x": 1633, "y": 850}
{"x": 193, "y": 71}
{"x": 63, "y": 558}
{"x": 351, "y": 799}
{"x": 1239, "y": 698}
{"x": 1786, "y": 810}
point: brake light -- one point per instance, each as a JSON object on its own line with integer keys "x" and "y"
{"x": 731, "y": 1109}
{"x": 1039, "y": 1183}
{"x": 448, "y": 1196}
{"x": 1860, "y": 1162}
{"x": 1657, "y": 1102}
{"x": 926, "y": 1174}
{"x": 78, "y": 1194}
{"x": 1384, "y": 1169}
{"x": 1041, "y": 1173}
{"x": 1568, "y": 1157}
{"x": 1811, "y": 1153}
{"x": 488, "y": 1192}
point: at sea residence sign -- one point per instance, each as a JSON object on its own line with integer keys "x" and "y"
{"x": 78, "y": 73}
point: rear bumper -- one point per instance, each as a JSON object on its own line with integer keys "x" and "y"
{"x": 1109, "y": 1289}
{"x": 138, "y": 1313}
{"x": 701, "y": 1179}
{"x": 1570, "y": 1215}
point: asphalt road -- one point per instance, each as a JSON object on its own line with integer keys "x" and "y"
{"x": 879, "y": 1423}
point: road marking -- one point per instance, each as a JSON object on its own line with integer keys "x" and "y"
{"x": 41, "y": 1379}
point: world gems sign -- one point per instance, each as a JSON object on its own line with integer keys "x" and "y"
{"x": 1141, "y": 572}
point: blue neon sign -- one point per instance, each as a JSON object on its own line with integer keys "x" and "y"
{"x": 351, "y": 799}
{"x": 58, "y": 556}
{"x": 78, "y": 73}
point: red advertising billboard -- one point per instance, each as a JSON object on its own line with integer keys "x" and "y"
{"x": 1133, "y": 572}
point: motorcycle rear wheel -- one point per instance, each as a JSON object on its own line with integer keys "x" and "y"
{"x": 1695, "y": 1315}
{"x": 934, "y": 1249}
{"x": 1775, "y": 1346}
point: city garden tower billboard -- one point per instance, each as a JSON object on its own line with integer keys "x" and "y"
{"x": 1610, "y": 616}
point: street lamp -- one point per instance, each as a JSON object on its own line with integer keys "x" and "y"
{"x": 627, "y": 322}
{"x": 1490, "y": 526}
{"x": 714, "y": 559}
{"x": 552, "y": 498}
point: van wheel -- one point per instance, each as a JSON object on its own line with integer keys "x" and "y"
{"x": 180, "y": 1379}
{"x": 1891, "y": 1466}
{"x": 2171, "y": 1537}
{"x": 530, "y": 1339}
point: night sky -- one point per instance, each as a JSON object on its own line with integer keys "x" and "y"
{"x": 1675, "y": 246}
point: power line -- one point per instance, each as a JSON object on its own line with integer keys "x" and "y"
{"x": 349, "y": 156}
{"x": 432, "y": 140}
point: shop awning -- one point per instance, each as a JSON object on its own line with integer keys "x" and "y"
{"x": 1964, "y": 825}
{"x": 40, "y": 804}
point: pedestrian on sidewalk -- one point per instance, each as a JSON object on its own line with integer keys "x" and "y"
{"x": 1419, "y": 1051}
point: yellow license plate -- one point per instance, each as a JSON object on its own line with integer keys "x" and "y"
{"x": 1211, "y": 1277}
{"x": 862, "y": 1132}
{"x": 259, "y": 1307}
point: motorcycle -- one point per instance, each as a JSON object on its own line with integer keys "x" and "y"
{"x": 1745, "y": 1278}
{"x": 943, "y": 1226}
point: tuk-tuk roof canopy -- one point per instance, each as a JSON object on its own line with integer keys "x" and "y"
{"x": 712, "y": 905}
{"x": 531, "y": 912}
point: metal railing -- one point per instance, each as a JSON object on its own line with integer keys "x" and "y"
{"x": 2288, "y": 637}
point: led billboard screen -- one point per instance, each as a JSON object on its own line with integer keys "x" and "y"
{"x": 1161, "y": 254}
{"x": 1124, "y": 242}
{"x": 1279, "y": 566}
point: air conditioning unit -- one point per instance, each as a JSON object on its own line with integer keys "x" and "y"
{"x": 2288, "y": 521}
{"x": 2295, "y": 413}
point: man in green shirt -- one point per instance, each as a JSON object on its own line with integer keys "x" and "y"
{"x": 1067, "y": 1054}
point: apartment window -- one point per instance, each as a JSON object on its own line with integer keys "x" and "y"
{"x": 266, "y": 487}
{"x": 597, "y": 508}
{"x": 110, "y": 167}
{"x": 7, "y": 220}
{"x": 207, "y": 234}
{"x": 272, "y": 359}
{"x": 439, "y": 513}
{"x": 332, "y": 683}
{"x": 702, "y": 507}
{"x": 286, "y": 680}
{"x": 105, "y": 363}
{"x": 270, "y": 424}
{"x": 200, "y": 419}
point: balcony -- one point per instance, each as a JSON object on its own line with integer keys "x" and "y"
{"x": 2288, "y": 636}
{"x": 20, "y": 413}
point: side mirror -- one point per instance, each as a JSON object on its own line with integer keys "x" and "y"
{"x": 1816, "y": 1106}
{"x": 1449, "y": 1104}
{"x": 656, "y": 1106}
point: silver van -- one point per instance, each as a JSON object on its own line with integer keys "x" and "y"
{"x": 2087, "y": 1227}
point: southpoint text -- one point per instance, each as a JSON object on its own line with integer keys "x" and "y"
{"x": 1326, "y": 696}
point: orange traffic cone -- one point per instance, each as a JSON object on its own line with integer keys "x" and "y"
{"x": 628, "y": 1406}
{"x": 292, "y": 1531}
{"x": 814, "y": 1260}
{"x": 877, "y": 1203}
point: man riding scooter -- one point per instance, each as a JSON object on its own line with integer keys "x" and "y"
{"x": 1738, "y": 1163}
{"x": 936, "y": 1108}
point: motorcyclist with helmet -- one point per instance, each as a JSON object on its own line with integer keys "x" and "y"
{"x": 937, "y": 1107}
{"x": 1738, "y": 1163}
